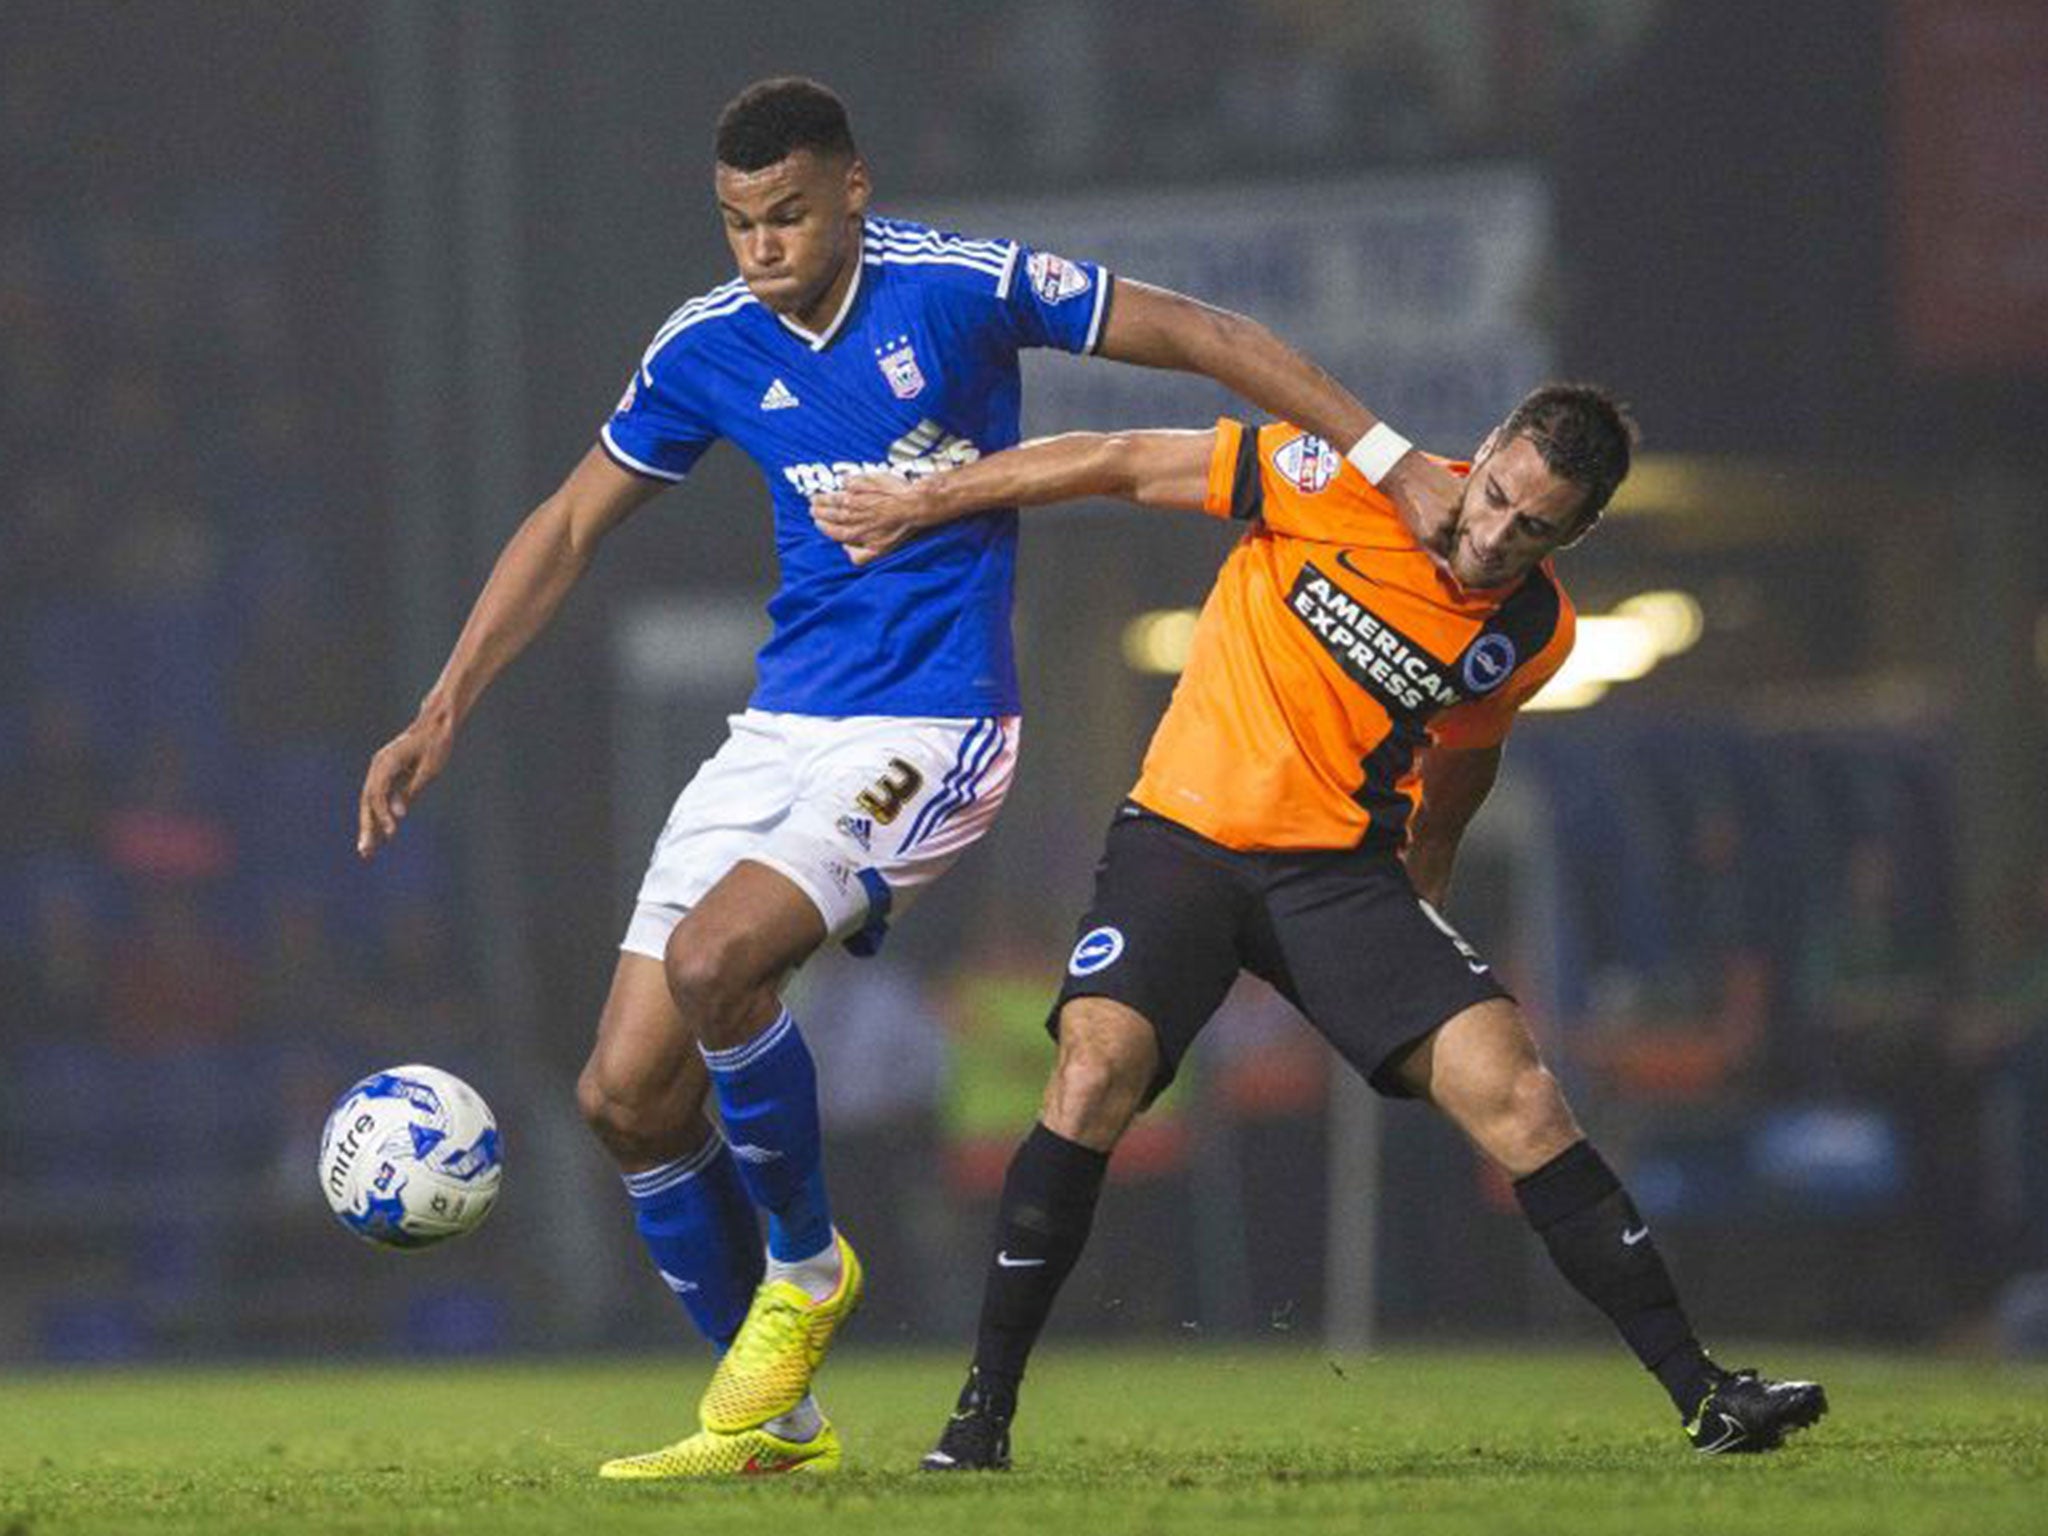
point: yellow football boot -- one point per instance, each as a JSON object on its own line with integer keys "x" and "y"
{"x": 749, "y": 1453}
{"x": 768, "y": 1369}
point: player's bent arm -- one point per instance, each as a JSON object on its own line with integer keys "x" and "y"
{"x": 1158, "y": 328}
{"x": 872, "y": 514}
{"x": 542, "y": 560}
{"x": 1455, "y": 783}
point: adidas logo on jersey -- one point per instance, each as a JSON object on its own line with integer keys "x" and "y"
{"x": 780, "y": 397}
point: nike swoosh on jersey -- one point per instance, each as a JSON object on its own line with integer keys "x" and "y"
{"x": 1006, "y": 1262}
{"x": 1344, "y": 559}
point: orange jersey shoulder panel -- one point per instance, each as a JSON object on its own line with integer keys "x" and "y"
{"x": 1329, "y": 652}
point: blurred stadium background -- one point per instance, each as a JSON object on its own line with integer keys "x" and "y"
{"x": 302, "y": 306}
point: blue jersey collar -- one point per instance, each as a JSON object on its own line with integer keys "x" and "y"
{"x": 820, "y": 340}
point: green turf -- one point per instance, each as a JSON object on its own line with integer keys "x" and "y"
{"x": 1193, "y": 1440}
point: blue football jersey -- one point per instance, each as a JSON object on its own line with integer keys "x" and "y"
{"x": 917, "y": 372}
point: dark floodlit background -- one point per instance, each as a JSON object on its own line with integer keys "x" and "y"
{"x": 302, "y": 306}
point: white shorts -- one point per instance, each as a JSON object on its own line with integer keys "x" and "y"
{"x": 859, "y": 812}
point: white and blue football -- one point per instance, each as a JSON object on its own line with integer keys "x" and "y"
{"x": 410, "y": 1157}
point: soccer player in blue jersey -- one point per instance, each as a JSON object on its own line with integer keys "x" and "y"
{"x": 883, "y": 732}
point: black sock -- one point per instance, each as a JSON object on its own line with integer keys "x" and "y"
{"x": 1048, "y": 1205}
{"x": 1602, "y": 1245}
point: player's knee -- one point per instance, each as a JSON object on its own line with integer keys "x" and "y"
{"x": 1529, "y": 1121}
{"x": 622, "y": 1115}
{"x": 706, "y": 972}
{"x": 1105, "y": 1066}
{"x": 607, "y": 1114}
{"x": 1093, "y": 1079}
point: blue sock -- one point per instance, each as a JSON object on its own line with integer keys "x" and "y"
{"x": 700, "y": 1228}
{"x": 768, "y": 1097}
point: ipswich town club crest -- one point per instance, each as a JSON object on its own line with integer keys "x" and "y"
{"x": 898, "y": 360}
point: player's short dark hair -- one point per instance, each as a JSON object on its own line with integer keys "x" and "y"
{"x": 772, "y": 119}
{"x": 1585, "y": 434}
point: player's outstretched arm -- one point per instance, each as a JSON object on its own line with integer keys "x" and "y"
{"x": 1158, "y": 328}
{"x": 1455, "y": 783}
{"x": 539, "y": 564}
{"x": 872, "y": 514}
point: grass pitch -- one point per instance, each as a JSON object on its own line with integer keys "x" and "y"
{"x": 1179, "y": 1442}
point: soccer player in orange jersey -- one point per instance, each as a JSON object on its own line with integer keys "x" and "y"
{"x": 1339, "y": 721}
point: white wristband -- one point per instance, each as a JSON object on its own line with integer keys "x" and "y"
{"x": 1378, "y": 451}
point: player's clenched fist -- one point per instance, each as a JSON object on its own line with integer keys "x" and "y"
{"x": 1427, "y": 496}
{"x": 871, "y": 514}
{"x": 403, "y": 766}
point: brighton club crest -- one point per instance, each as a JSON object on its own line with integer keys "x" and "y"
{"x": 898, "y": 360}
{"x": 1488, "y": 662}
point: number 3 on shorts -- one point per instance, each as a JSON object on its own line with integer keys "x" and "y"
{"x": 885, "y": 798}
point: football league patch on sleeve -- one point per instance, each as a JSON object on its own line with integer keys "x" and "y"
{"x": 1308, "y": 462}
{"x": 1054, "y": 278}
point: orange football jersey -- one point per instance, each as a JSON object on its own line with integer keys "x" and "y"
{"x": 1330, "y": 652}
